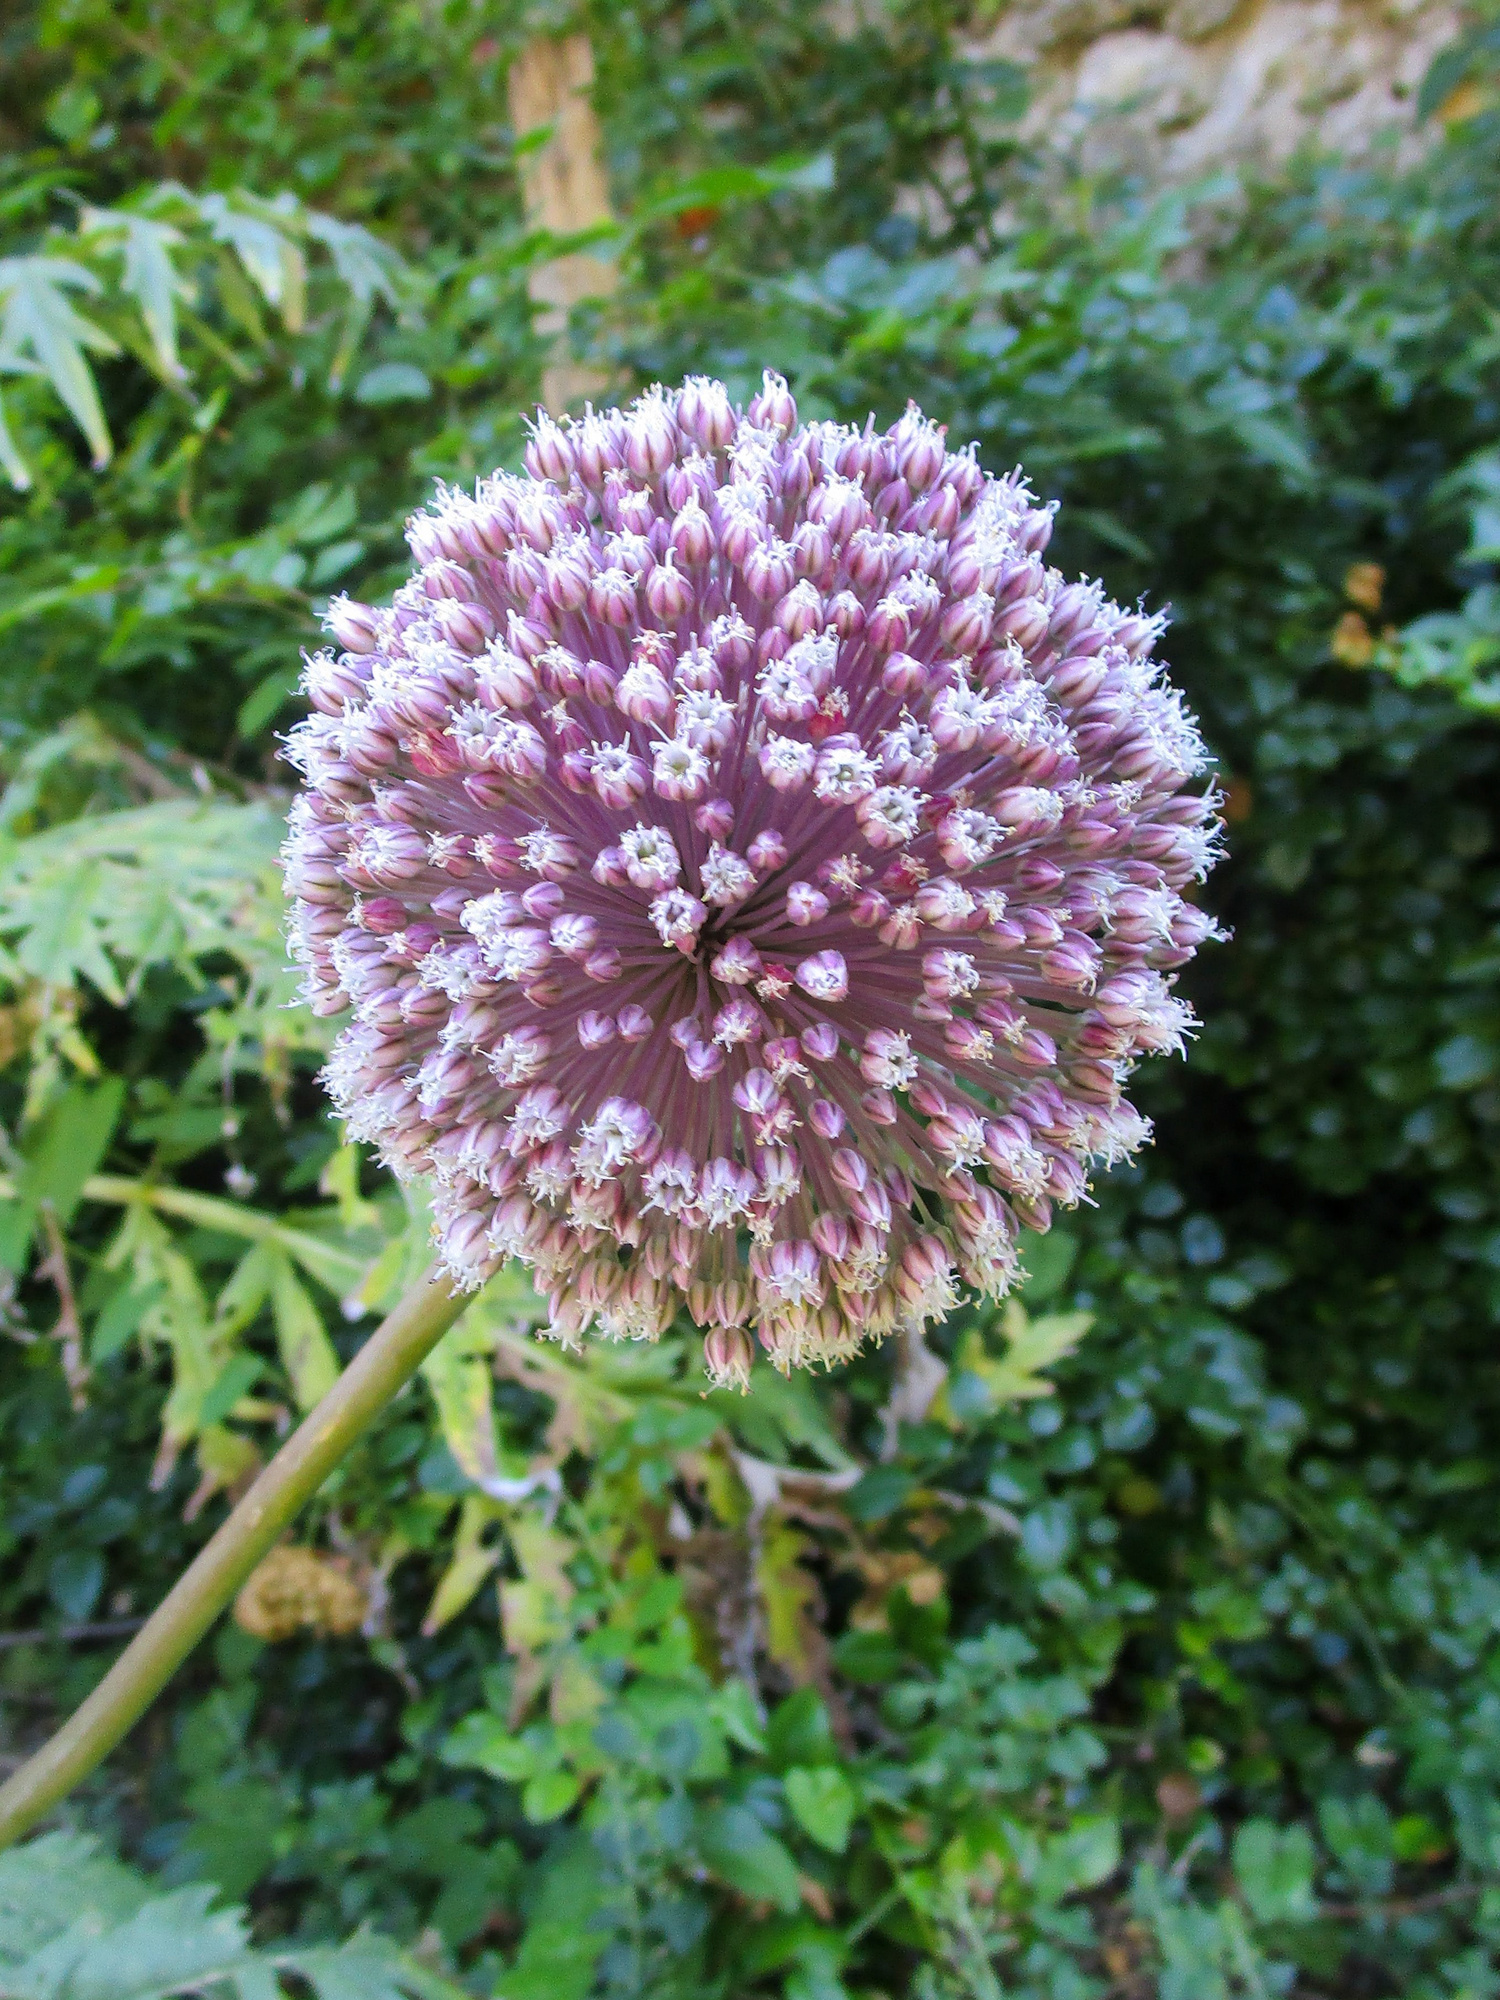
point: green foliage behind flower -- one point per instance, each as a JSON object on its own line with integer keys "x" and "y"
{"x": 1142, "y": 1638}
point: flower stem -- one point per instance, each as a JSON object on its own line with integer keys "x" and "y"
{"x": 387, "y": 1360}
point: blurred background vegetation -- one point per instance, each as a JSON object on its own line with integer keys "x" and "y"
{"x": 1143, "y": 1639}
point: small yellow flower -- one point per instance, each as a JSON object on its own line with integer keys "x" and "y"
{"x": 296, "y": 1590}
{"x": 1364, "y": 585}
{"x": 1352, "y": 643}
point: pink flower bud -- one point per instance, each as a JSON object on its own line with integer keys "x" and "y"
{"x": 773, "y": 408}
{"x": 728, "y": 1355}
{"x": 805, "y": 904}
{"x": 824, "y": 976}
{"x": 669, "y": 595}
{"x": 767, "y": 851}
{"x": 353, "y": 625}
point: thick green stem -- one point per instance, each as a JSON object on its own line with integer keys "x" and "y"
{"x": 388, "y": 1359}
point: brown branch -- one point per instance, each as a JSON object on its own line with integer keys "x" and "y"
{"x": 68, "y": 1635}
{"x": 68, "y": 1332}
{"x": 1403, "y": 1906}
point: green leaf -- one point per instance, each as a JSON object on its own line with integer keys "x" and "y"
{"x": 1274, "y": 1867}
{"x": 482, "y": 1741}
{"x": 74, "y": 1581}
{"x": 1047, "y": 1260}
{"x": 459, "y": 1372}
{"x": 57, "y": 1157}
{"x": 11, "y": 461}
{"x": 1081, "y": 1857}
{"x": 1360, "y": 1833}
{"x": 158, "y": 884}
{"x": 981, "y": 1383}
{"x": 472, "y": 1560}
{"x": 1464, "y": 1062}
{"x": 72, "y": 113}
{"x": 69, "y": 1143}
{"x": 739, "y": 1850}
{"x": 548, "y": 1796}
{"x": 366, "y": 1967}
{"x": 799, "y": 1733}
{"x": 393, "y": 382}
{"x": 38, "y": 320}
{"x": 46, "y": 1883}
{"x": 236, "y": 1378}
{"x": 717, "y": 186}
{"x": 561, "y": 1946}
{"x": 823, "y": 1804}
{"x": 121, "y": 1319}
{"x": 272, "y": 695}
{"x": 307, "y": 1353}
{"x": 171, "y": 1944}
{"x": 75, "y": 1925}
{"x": 148, "y": 275}
{"x": 258, "y": 232}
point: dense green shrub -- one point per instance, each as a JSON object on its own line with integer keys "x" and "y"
{"x": 1181, "y": 1679}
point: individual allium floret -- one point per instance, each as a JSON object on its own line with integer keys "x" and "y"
{"x": 751, "y": 872}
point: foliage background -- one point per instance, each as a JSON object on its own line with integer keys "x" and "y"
{"x": 1170, "y": 1670}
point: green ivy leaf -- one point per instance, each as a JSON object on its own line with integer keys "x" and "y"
{"x": 1274, "y": 1867}
{"x": 823, "y": 1804}
{"x": 548, "y": 1796}
{"x": 739, "y": 1850}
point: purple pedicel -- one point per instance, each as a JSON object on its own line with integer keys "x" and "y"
{"x": 751, "y": 872}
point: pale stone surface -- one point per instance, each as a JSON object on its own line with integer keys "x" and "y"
{"x": 1175, "y": 88}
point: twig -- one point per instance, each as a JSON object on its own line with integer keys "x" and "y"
{"x": 919, "y": 1375}
{"x": 210, "y": 1212}
{"x": 991, "y": 1510}
{"x": 69, "y": 1635}
{"x": 68, "y": 1332}
{"x": 1404, "y": 1906}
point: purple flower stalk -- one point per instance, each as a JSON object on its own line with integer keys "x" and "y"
{"x": 751, "y": 871}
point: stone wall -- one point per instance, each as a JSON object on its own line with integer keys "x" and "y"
{"x": 1176, "y": 87}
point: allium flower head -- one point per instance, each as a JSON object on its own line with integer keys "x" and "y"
{"x": 750, "y": 870}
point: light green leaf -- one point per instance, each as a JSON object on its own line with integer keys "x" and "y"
{"x": 75, "y": 1925}
{"x": 148, "y": 275}
{"x": 823, "y": 1804}
{"x": 11, "y": 461}
{"x": 393, "y": 382}
{"x": 471, "y": 1562}
{"x": 257, "y": 232}
{"x": 458, "y": 1372}
{"x": 164, "y": 883}
{"x": 171, "y": 1944}
{"x": 548, "y": 1796}
{"x": 981, "y": 1381}
{"x": 236, "y": 1378}
{"x": 307, "y": 1353}
{"x": 247, "y": 1290}
{"x": 180, "y": 1319}
{"x": 742, "y": 1853}
{"x": 482, "y": 1742}
{"x": 1084, "y": 1855}
{"x": 37, "y": 320}
{"x": 66, "y": 1147}
{"x": 367, "y": 1967}
{"x": 1274, "y": 1867}
{"x": 44, "y": 1884}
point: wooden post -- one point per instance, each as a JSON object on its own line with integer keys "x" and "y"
{"x": 565, "y": 190}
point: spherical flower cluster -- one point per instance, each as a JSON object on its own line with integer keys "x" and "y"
{"x": 751, "y": 872}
